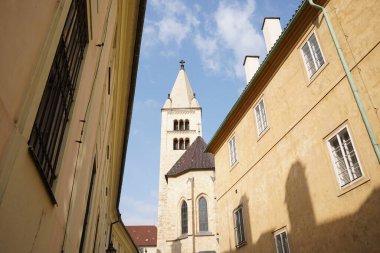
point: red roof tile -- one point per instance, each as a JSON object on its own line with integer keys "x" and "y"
{"x": 143, "y": 235}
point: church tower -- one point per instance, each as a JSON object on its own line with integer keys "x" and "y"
{"x": 181, "y": 124}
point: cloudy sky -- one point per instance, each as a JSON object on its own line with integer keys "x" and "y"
{"x": 213, "y": 38}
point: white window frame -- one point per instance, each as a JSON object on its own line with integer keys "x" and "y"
{"x": 239, "y": 241}
{"x": 347, "y": 161}
{"x": 261, "y": 117}
{"x": 232, "y": 151}
{"x": 313, "y": 55}
{"x": 284, "y": 243}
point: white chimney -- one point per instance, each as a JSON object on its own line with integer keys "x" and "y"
{"x": 272, "y": 30}
{"x": 251, "y": 64}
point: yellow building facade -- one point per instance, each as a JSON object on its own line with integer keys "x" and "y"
{"x": 296, "y": 158}
{"x": 67, "y": 74}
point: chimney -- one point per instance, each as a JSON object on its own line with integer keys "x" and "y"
{"x": 272, "y": 30}
{"x": 251, "y": 64}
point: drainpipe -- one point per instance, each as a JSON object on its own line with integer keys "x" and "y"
{"x": 350, "y": 80}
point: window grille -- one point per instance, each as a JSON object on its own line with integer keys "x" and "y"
{"x": 312, "y": 55}
{"x": 232, "y": 146}
{"x": 281, "y": 241}
{"x": 344, "y": 158}
{"x": 203, "y": 222}
{"x": 46, "y": 138}
{"x": 184, "y": 217}
{"x": 239, "y": 227}
{"x": 261, "y": 118}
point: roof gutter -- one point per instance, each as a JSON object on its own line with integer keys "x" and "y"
{"x": 351, "y": 81}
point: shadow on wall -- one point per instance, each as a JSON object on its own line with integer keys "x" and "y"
{"x": 358, "y": 232}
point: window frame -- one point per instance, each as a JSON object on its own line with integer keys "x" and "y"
{"x": 239, "y": 243}
{"x": 312, "y": 53}
{"x": 201, "y": 217}
{"x": 260, "y": 131}
{"x": 47, "y": 138}
{"x": 184, "y": 218}
{"x": 232, "y": 152}
{"x": 279, "y": 233}
{"x": 333, "y": 135}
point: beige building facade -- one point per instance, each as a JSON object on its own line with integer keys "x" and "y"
{"x": 186, "y": 207}
{"x": 67, "y": 73}
{"x": 296, "y": 159}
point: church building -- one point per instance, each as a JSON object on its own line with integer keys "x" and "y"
{"x": 186, "y": 207}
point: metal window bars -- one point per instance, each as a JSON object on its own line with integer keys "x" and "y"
{"x": 46, "y": 138}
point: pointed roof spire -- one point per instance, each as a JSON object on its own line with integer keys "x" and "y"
{"x": 182, "y": 95}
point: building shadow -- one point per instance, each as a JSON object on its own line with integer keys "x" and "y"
{"x": 176, "y": 247}
{"x": 358, "y": 232}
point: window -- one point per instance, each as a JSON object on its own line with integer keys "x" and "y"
{"x": 175, "y": 127}
{"x": 184, "y": 218}
{"x": 203, "y": 222}
{"x": 187, "y": 143}
{"x": 181, "y": 125}
{"x": 281, "y": 241}
{"x": 187, "y": 125}
{"x": 261, "y": 118}
{"x": 175, "y": 144}
{"x": 49, "y": 127}
{"x": 181, "y": 144}
{"x": 232, "y": 146}
{"x": 344, "y": 158}
{"x": 312, "y": 55}
{"x": 239, "y": 227}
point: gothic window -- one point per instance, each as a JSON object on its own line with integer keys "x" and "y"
{"x": 175, "y": 144}
{"x": 187, "y": 143}
{"x": 184, "y": 218}
{"x": 203, "y": 222}
{"x": 181, "y": 144}
{"x": 175, "y": 127}
{"x": 181, "y": 125}
{"x": 187, "y": 125}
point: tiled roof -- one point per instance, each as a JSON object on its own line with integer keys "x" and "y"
{"x": 193, "y": 159}
{"x": 143, "y": 235}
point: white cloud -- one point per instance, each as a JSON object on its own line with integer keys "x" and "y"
{"x": 137, "y": 212}
{"x": 231, "y": 32}
{"x": 174, "y": 24}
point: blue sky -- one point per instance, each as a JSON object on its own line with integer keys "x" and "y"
{"x": 213, "y": 38}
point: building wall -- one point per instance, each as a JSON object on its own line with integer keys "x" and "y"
{"x": 181, "y": 188}
{"x": 29, "y": 219}
{"x": 285, "y": 178}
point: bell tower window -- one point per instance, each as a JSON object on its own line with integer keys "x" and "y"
{"x": 175, "y": 127}
{"x": 181, "y": 125}
{"x": 175, "y": 144}
{"x": 187, "y": 125}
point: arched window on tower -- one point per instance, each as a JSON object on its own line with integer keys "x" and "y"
{"x": 187, "y": 143}
{"x": 181, "y": 144}
{"x": 175, "y": 144}
{"x": 203, "y": 219}
{"x": 175, "y": 127}
{"x": 184, "y": 218}
{"x": 181, "y": 125}
{"x": 187, "y": 125}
